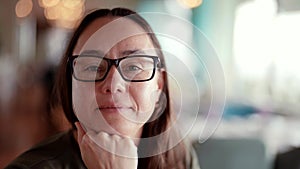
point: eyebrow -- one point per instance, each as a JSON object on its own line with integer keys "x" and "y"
{"x": 136, "y": 51}
{"x": 93, "y": 52}
{"x": 101, "y": 53}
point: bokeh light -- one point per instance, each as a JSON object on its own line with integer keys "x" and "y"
{"x": 23, "y": 8}
{"x": 52, "y": 13}
{"x": 190, "y": 3}
{"x": 48, "y": 3}
{"x": 72, "y": 4}
{"x": 63, "y": 13}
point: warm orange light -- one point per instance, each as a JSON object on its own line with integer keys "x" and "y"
{"x": 52, "y": 13}
{"x": 65, "y": 24}
{"x": 65, "y": 13}
{"x": 73, "y": 4}
{"x": 190, "y": 3}
{"x": 41, "y": 3}
{"x": 48, "y": 3}
{"x": 23, "y": 8}
{"x": 71, "y": 15}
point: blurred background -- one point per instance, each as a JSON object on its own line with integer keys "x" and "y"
{"x": 256, "y": 41}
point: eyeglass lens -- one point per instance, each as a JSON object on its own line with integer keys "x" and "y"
{"x": 90, "y": 68}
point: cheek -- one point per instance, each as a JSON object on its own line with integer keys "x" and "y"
{"x": 83, "y": 97}
{"x": 83, "y": 94}
{"x": 144, "y": 96}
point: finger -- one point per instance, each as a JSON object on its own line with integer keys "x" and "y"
{"x": 101, "y": 139}
{"x": 118, "y": 145}
{"x": 129, "y": 148}
{"x": 80, "y": 132}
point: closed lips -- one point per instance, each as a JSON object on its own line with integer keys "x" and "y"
{"x": 114, "y": 107}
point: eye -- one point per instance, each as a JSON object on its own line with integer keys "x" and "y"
{"x": 133, "y": 68}
{"x": 95, "y": 69}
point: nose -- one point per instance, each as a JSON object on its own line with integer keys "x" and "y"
{"x": 113, "y": 83}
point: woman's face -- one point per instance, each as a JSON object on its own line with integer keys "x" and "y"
{"x": 114, "y": 105}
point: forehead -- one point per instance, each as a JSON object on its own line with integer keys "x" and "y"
{"x": 107, "y": 32}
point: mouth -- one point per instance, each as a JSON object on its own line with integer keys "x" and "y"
{"x": 113, "y": 108}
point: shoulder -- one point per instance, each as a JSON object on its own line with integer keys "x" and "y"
{"x": 54, "y": 152}
{"x": 288, "y": 159}
{"x": 293, "y": 153}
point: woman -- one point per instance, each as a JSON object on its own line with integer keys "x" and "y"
{"x": 113, "y": 87}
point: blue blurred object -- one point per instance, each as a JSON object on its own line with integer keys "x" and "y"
{"x": 238, "y": 110}
{"x": 231, "y": 154}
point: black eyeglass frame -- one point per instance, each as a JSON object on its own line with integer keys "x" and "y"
{"x": 116, "y": 63}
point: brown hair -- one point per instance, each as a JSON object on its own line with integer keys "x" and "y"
{"x": 172, "y": 158}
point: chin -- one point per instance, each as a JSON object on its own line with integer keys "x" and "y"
{"x": 127, "y": 129}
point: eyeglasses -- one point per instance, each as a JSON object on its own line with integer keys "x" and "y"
{"x": 133, "y": 68}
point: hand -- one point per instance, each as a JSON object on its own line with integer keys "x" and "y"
{"x": 104, "y": 151}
